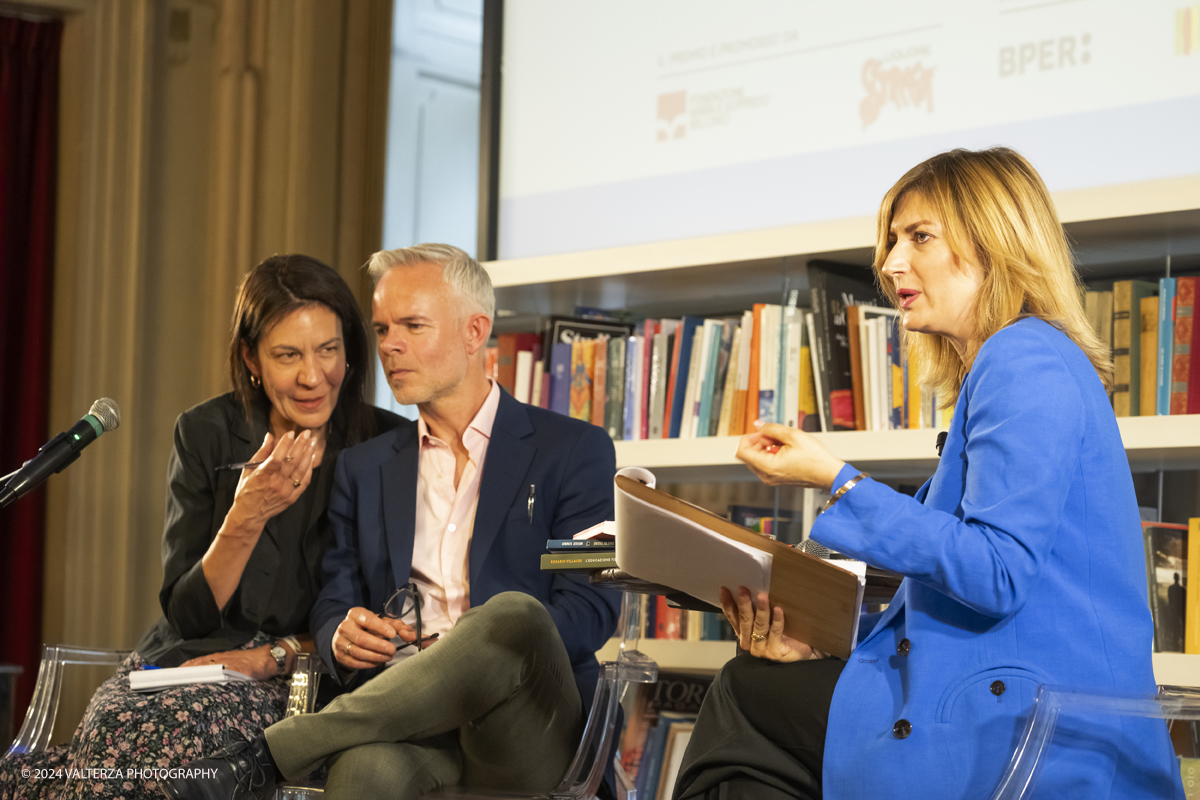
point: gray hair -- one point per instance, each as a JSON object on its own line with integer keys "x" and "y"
{"x": 461, "y": 273}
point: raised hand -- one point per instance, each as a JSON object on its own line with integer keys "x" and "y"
{"x": 266, "y": 490}
{"x": 779, "y": 455}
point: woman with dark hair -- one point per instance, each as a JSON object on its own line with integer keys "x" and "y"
{"x": 1022, "y": 555}
{"x": 242, "y": 547}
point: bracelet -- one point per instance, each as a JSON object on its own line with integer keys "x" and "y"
{"x": 847, "y": 486}
{"x": 292, "y": 642}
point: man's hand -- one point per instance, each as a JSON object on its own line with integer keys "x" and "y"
{"x": 362, "y": 639}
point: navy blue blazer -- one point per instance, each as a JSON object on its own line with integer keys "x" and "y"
{"x": 373, "y": 515}
{"x": 1024, "y": 566}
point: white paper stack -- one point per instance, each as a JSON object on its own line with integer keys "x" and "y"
{"x": 155, "y": 680}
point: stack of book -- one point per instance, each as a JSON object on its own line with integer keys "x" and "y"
{"x": 658, "y": 726}
{"x": 1173, "y": 584}
{"x": 1148, "y": 324}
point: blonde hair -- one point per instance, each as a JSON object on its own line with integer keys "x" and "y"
{"x": 994, "y": 204}
{"x": 461, "y": 273}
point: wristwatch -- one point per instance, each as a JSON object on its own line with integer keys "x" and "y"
{"x": 280, "y": 657}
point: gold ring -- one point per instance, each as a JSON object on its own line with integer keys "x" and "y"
{"x": 348, "y": 646}
{"x": 758, "y": 637}
{"x": 286, "y": 459}
{"x": 296, "y": 483}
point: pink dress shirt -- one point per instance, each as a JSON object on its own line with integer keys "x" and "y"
{"x": 445, "y": 521}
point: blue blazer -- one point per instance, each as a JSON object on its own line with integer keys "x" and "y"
{"x": 1024, "y": 565}
{"x": 373, "y": 515}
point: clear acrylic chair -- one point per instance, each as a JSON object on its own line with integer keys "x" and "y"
{"x": 302, "y": 699}
{"x": 35, "y": 733}
{"x": 1020, "y": 778}
{"x": 582, "y": 779}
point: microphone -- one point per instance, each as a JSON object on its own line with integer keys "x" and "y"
{"x": 61, "y": 451}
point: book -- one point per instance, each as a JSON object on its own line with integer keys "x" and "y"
{"x": 560, "y": 379}
{"x": 667, "y": 620}
{"x": 854, "y": 337}
{"x": 579, "y": 562}
{"x": 599, "y": 381}
{"x": 678, "y": 735}
{"x": 708, "y": 387}
{"x": 659, "y": 365}
{"x": 818, "y": 388}
{"x": 1166, "y": 568}
{"x": 664, "y": 540}
{"x": 737, "y": 412}
{"x": 601, "y": 530}
{"x": 1191, "y": 641}
{"x": 614, "y": 407}
{"x": 1126, "y": 332}
{"x": 681, "y": 355}
{"x": 1185, "y": 300}
{"x": 633, "y": 346}
{"x": 583, "y": 370}
{"x": 1165, "y": 345}
{"x": 793, "y": 324}
{"x": 896, "y": 374}
{"x": 835, "y": 286}
{"x": 649, "y": 331}
{"x": 809, "y": 419}
{"x": 651, "y": 771}
{"x": 1147, "y": 363}
{"x": 571, "y": 545}
{"x": 146, "y": 681}
{"x": 687, "y": 423}
{"x": 524, "y": 376}
{"x": 752, "y": 388}
{"x": 768, "y": 367}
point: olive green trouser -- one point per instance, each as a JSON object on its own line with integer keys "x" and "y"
{"x": 493, "y": 704}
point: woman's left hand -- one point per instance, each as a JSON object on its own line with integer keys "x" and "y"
{"x": 256, "y": 662}
{"x": 759, "y": 628}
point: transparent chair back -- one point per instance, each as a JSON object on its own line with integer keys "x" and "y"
{"x": 1055, "y": 702}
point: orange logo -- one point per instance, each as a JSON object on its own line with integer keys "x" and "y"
{"x": 1187, "y": 30}
{"x": 671, "y": 122}
{"x": 900, "y": 86}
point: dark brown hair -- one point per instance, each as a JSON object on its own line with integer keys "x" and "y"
{"x": 275, "y": 288}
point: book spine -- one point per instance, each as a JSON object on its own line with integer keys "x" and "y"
{"x": 506, "y": 365}
{"x": 1148, "y": 356}
{"x": 560, "y": 378}
{"x": 600, "y": 382}
{"x": 791, "y": 377}
{"x": 1122, "y": 344}
{"x": 737, "y": 414}
{"x": 727, "y": 397}
{"x": 685, "y": 337}
{"x": 896, "y": 384}
{"x": 631, "y": 361}
{"x": 579, "y": 561}
{"x": 650, "y": 329}
{"x": 658, "y": 385}
{"x": 1166, "y": 344}
{"x": 614, "y": 409}
{"x": 1152, "y": 586}
{"x": 580, "y": 544}
{"x": 752, "y": 389}
{"x": 853, "y": 334}
{"x": 1191, "y": 639}
{"x": 1185, "y": 294}
{"x": 524, "y": 376}
{"x": 708, "y": 387}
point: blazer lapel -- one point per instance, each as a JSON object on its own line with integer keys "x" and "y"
{"x": 398, "y": 486}
{"x": 505, "y": 467}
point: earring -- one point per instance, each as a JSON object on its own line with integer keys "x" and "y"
{"x": 254, "y": 381}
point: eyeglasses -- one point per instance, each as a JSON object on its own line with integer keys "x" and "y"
{"x": 405, "y": 602}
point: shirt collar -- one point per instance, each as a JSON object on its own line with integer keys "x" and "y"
{"x": 479, "y": 430}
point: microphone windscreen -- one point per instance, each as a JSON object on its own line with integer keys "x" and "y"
{"x": 814, "y": 548}
{"x": 105, "y": 409}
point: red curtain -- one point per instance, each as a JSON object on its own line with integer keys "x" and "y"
{"x": 29, "y": 59}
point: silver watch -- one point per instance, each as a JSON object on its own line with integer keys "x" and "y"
{"x": 280, "y": 657}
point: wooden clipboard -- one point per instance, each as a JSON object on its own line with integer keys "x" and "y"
{"x": 820, "y": 600}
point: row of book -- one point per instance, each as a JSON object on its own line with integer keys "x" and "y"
{"x": 835, "y": 366}
{"x": 1155, "y": 351}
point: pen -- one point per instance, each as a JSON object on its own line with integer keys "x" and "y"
{"x": 240, "y": 465}
{"x": 532, "y": 489}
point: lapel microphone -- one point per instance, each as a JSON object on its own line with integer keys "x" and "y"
{"x": 941, "y": 442}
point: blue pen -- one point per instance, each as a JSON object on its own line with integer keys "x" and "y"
{"x": 151, "y": 666}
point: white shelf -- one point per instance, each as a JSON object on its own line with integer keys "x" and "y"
{"x": 1172, "y": 669}
{"x": 1151, "y": 443}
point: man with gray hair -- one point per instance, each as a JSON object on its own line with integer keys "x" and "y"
{"x": 472, "y": 665}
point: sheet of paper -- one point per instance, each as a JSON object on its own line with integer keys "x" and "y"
{"x": 701, "y": 561}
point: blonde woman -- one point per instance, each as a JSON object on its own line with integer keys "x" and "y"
{"x": 1022, "y": 555}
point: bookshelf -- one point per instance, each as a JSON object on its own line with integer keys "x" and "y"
{"x": 1119, "y": 232}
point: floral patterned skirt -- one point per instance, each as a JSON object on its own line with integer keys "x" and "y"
{"x": 125, "y": 737}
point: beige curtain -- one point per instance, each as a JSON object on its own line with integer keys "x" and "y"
{"x": 197, "y": 137}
